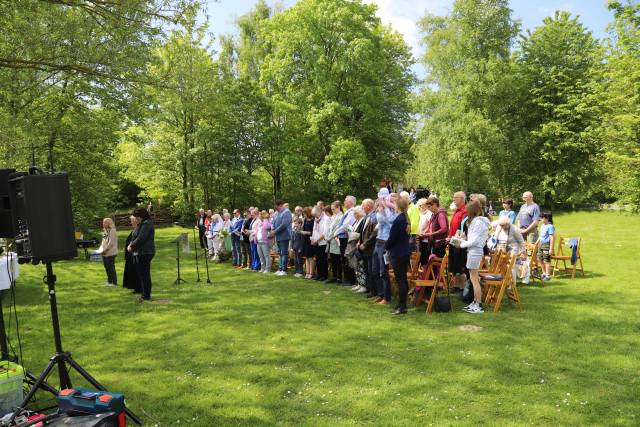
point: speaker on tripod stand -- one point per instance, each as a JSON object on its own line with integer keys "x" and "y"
{"x": 42, "y": 217}
{"x": 43, "y": 223}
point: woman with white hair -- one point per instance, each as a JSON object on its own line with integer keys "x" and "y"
{"x": 509, "y": 239}
{"x": 109, "y": 250}
{"x": 213, "y": 236}
{"x": 352, "y": 253}
{"x": 225, "y": 234}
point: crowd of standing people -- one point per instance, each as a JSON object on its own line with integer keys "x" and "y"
{"x": 350, "y": 244}
{"x": 354, "y": 245}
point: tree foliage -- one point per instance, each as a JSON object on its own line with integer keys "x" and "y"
{"x": 315, "y": 101}
{"x": 504, "y": 111}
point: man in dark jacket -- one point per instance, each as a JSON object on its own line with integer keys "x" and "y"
{"x": 201, "y": 228}
{"x": 282, "y": 232}
{"x": 366, "y": 246}
{"x": 143, "y": 248}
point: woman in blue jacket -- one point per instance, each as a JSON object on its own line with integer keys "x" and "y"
{"x": 399, "y": 251}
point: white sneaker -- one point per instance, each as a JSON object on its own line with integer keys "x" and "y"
{"x": 355, "y": 287}
{"x": 281, "y": 273}
{"x": 474, "y": 308}
{"x": 297, "y": 275}
{"x": 265, "y": 272}
{"x": 362, "y": 290}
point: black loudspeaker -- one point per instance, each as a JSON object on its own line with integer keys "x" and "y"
{"x": 6, "y": 222}
{"x": 42, "y": 217}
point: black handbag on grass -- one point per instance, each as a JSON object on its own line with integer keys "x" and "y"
{"x": 442, "y": 302}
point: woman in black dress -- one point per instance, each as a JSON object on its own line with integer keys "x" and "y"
{"x": 143, "y": 248}
{"x": 308, "y": 250}
{"x": 130, "y": 278}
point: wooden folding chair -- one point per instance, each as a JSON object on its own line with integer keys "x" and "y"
{"x": 496, "y": 285}
{"x": 415, "y": 271}
{"x": 427, "y": 273}
{"x": 560, "y": 256}
{"x": 534, "y": 262}
{"x": 275, "y": 257}
{"x": 412, "y": 272}
{"x": 435, "y": 277}
{"x": 494, "y": 265}
{"x": 493, "y": 257}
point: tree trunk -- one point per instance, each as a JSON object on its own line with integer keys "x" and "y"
{"x": 185, "y": 175}
{"x": 277, "y": 182}
{"x": 53, "y": 132}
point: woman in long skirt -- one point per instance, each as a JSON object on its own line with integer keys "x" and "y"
{"x": 130, "y": 277}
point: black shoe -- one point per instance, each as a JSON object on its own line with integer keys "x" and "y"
{"x": 337, "y": 281}
{"x": 399, "y": 311}
{"x": 369, "y": 296}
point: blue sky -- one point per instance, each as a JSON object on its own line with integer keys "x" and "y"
{"x": 403, "y": 15}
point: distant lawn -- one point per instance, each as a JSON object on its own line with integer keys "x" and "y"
{"x": 266, "y": 351}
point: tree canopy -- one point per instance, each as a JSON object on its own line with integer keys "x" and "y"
{"x": 316, "y": 101}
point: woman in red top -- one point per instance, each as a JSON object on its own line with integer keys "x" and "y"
{"x": 457, "y": 256}
{"x": 438, "y": 227}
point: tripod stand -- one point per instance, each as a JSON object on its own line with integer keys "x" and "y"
{"x": 206, "y": 263}
{"x": 178, "y": 241}
{"x": 195, "y": 246}
{"x": 4, "y": 347}
{"x": 60, "y": 358}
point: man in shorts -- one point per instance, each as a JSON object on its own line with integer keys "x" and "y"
{"x": 457, "y": 256}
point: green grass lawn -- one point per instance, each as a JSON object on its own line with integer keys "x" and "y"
{"x": 266, "y": 351}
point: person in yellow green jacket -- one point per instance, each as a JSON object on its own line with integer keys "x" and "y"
{"x": 414, "y": 217}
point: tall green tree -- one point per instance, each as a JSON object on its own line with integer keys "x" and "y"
{"x": 461, "y": 140}
{"x": 620, "y": 124}
{"x": 557, "y": 64}
{"x": 68, "y": 75}
{"x": 335, "y": 74}
{"x": 186, "y": 72}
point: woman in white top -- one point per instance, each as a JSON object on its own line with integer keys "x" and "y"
{"x": 320, "y": 229}
{"x": 475, "y": 240}
{"x": 109, "y": 250}
{"x": 213, "y": 234}
{"x": 334, "y": 243}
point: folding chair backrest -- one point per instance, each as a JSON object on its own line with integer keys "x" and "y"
{"x": 442, "y": 271}
{"x": 415, "y": 266}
